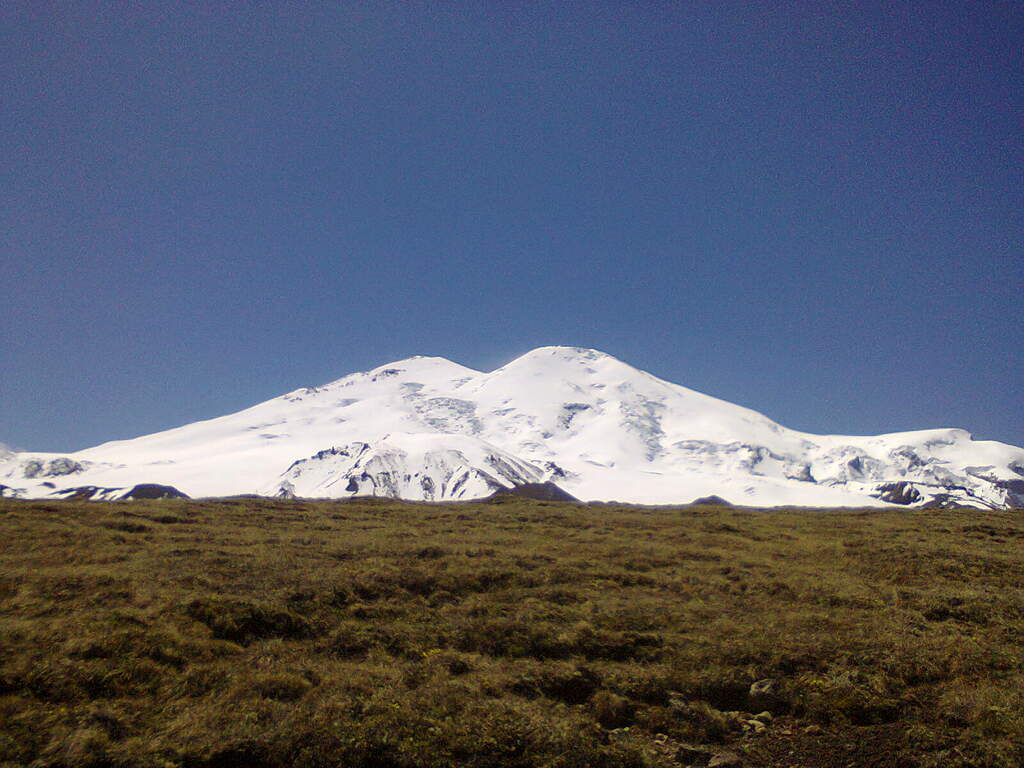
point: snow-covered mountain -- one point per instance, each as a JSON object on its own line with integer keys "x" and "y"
{"x": 428, "y": 428}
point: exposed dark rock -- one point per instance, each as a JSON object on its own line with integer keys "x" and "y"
{"x": 946, "y": 501}
{"x": 54, "y": 468}
{"x": 538, "y": 491}
{"x": 569, "y": 412}
{"x": 428, "y": 487}
{"x": 141, "y": 491}
{"x": 357, "y": 449}
{"x": 908, "y": 457}
{"x": 504, "y": 468}
{"x": 710, "y": 501}
{"x": 554, "y": 469}
{"x": 63, "y": 466}
{"x": 1014, "y": 491}
{"x": 32, "y": 469}
{"x": 154, "y": 491}
{"x": 898, "y": 493}
{"x": 84, "y": 492}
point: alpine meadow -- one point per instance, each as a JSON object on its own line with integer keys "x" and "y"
{"x": 369, "y": 632}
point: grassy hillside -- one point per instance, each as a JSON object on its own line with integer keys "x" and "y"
{"x": 521, "y": 633}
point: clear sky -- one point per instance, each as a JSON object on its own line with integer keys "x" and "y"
{"x": 813, "y": 209}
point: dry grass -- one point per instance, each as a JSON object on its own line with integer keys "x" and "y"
{"x": 370, "y": 633}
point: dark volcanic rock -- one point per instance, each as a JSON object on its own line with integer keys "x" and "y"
{"x": 154, "y": 491}
{"x": 141, "y": 491}
{"x": 83, "y": 492}
{"x": 710, "y": 501}
{"x": 898, "y": 493}
{"x": 538, "y": 491}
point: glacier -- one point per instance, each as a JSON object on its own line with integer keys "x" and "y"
{"x": 426, "y": 428}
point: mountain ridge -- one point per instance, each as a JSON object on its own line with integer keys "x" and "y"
{"x": 601, "y": 429}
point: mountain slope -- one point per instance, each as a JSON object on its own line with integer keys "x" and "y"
{"x": 596, "y": 426}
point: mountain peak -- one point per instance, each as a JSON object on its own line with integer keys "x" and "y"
{"x": 574, "y": 353}
{"x": 558, "y": 355}
{"x": 417, "y": 367}
{"x": 598, "y": 427}
{"x": 417, "y": 362}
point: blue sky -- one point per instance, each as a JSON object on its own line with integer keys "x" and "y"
{"x": 811, "y": 209}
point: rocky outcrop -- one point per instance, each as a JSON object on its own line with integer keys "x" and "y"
{"x": 426, "y": 467}
{"x": 898, "y": 493}
{"x": 1014, "y": 492}
{"x": 99, "y": 493}
{"x": 89, "y": 493}
{"x": 36, "y": 468}
{"x": 154, "y": 491}
{"x": 538, "y": 491}
{"x": 710, "y": 501}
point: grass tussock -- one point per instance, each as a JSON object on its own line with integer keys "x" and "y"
{"x": 515, "y": 634}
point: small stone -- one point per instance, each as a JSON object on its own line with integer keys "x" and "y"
{"x": 725, "y": 760}
{"x": 765, "y": 695}
{"x": 812, "y": 729}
